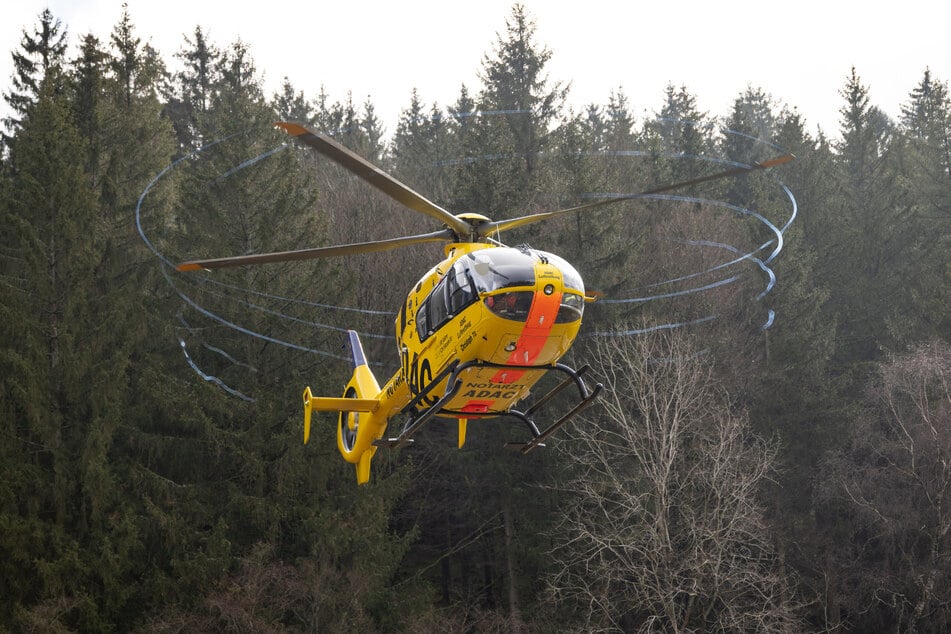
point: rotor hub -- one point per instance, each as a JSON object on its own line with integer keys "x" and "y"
{"x": 475, "y": 222}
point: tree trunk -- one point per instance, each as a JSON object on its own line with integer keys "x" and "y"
{"x": 509, "y": 527}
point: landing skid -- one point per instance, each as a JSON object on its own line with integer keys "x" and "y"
{"x": 538, "y": 438}
{"x": 418, "y": 419}
{"x": 421, "y": 418}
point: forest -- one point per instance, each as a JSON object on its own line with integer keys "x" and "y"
{"x": 770, "y": 454}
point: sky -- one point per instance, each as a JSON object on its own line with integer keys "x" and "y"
{"x": 800, "y": 53}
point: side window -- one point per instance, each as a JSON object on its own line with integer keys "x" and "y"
{"x": 438, "y": 309}
{"x": 422, "y": 324}
{"x": 453, "y": 293}
{"x": 459, "y": 288}
{"x": 432, "y": 312}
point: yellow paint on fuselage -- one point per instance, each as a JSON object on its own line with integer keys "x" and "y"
{"x": 472, "y": 332}
{"x": 478, "y": 334}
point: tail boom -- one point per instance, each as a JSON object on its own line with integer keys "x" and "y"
{"x": 364, "y": 410}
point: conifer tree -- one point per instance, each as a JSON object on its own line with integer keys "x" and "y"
{"x": 749, "y": 136}
{"x": 88, "y": 77}
{"x": 620, "y": 132}
{"x": 791, "y": 395}
{"x": 751, "y": 128}
{"x": 872, "y": 230}
{"x": 291, "y": 105}
{"x": 598, "y": 156}
{"x": 681, "y": 129}
{"x": 463, "y": 113}
{"x": 517, "y": 109}
{"x": 40, "y": 51}
{"x": 926, "y": 123}
{"x": 189, "y": 93}
{"x": 59, "y": 414}
{"x": 421, "y": 149}
{"x": 516, "y": 85}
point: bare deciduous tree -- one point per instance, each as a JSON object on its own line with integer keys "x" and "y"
{"x": 664, "y": 532}
{"x": 889, "y": 494}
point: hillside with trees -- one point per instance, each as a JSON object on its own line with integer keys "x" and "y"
{"x": 741, "y": 473}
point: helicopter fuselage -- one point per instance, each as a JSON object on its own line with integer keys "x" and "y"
{"x": 499, "y": 305}
{"x": 491, "y": 319}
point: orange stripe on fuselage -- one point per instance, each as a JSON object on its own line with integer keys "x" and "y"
{"x": 534, "y": 336}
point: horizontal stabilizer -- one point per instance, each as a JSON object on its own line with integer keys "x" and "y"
{"x": 338, "y": 404}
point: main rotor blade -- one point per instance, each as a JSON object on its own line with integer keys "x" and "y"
{"x": 504, "y": 225}
{"x": 359, "y": 166}
{"x": 736, "y": 171}
{"x": 443, "y": 235}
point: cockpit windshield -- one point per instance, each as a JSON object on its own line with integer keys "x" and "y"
{"x": 493, "y": 269}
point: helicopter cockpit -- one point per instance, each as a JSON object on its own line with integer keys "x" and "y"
{"x": 504, "y": 278}
{"x": 497, "y": 270}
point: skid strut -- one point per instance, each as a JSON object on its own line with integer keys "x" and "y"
{"x": 586, "y": 398}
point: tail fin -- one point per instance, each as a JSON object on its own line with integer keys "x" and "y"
{"x": 357, "y": 356}
{"x": 358, "y": 427}
{"x": 362, "y": 380}
{"x": 356, "y": 442}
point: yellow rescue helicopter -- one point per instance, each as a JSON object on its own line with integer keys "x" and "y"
{"x": 475, "y": 334}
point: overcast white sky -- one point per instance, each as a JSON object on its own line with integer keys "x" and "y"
{"x": 799, "y": 52}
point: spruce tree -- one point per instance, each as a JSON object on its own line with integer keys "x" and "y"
{"x": 518, "y": 108}
{"x": 926, "y": 124}
{"x": 261, "y": 496}
{"x": 422, "y": 150}
{"x": 87, "y": 82}
{"x": 872, "y": 229}
{"x": 679, "y": 128}
{"x": 39, "y": 52}
{"x": 291, "y": 105}
{"x": 515, "y": 85}
{"x": 189, "y": 92}
{"x": 58, "y": 416}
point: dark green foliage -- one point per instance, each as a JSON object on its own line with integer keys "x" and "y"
{"x": 291, "y": 105}
{"x": 421, "y": 146}
{"x": 926, "y": 123}
{"x": 871, "y": 224}
{"x": 40, "y": 52}
{"x": 189, "y": 92}
{"x": 515, "y": 84}
{"x": 135, "y": 496}
{"x": 61, "y": 405}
